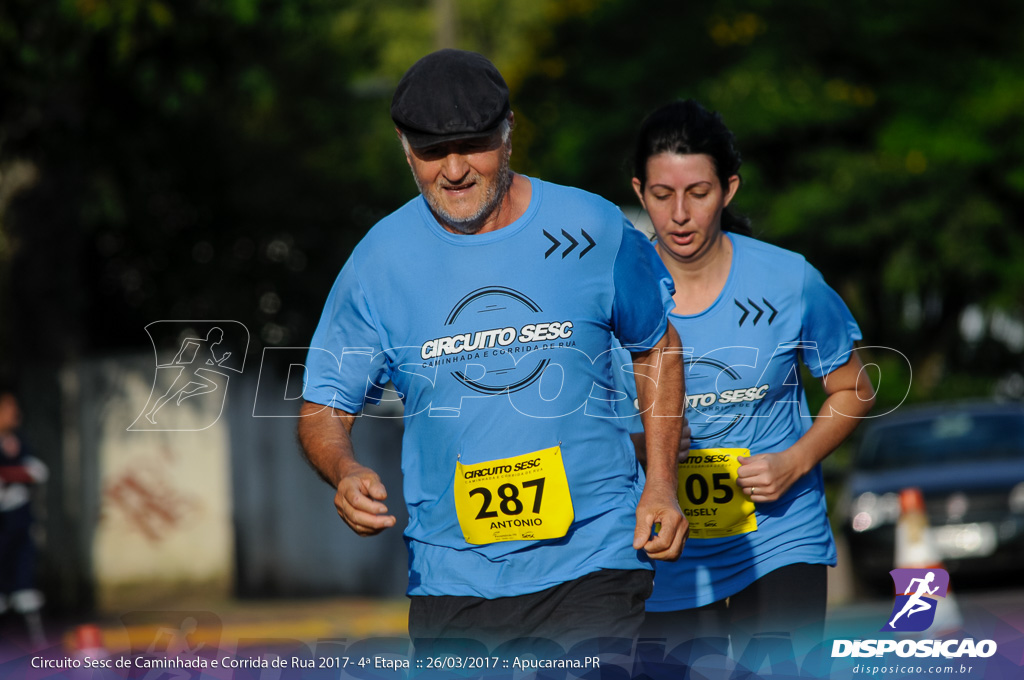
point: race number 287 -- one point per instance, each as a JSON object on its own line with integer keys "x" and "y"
{"x": 521, "y": 498}
{"x": 509, "y": 502}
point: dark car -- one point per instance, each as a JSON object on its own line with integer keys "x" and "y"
{"x": 968, "y": 461}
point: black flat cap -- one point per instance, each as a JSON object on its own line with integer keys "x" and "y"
{"x": 449, "y": 95}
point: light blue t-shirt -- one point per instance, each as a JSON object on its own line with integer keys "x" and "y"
{"x": 499, "y": 344}
{"x": 743, "y": 391}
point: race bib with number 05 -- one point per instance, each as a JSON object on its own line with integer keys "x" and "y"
{"x": 710, "y": 497}
{"x": 524, "y": 498}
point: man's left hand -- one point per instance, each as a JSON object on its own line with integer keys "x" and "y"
{"x": 659, "y": 505}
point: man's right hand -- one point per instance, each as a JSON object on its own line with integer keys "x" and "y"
{"x": 358, "y": 501}
{"x": 325, "y": 437}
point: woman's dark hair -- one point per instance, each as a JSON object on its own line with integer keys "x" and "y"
{"x": 686, "y": 127}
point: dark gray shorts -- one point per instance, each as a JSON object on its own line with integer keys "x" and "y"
{"x": 606, "y": 603}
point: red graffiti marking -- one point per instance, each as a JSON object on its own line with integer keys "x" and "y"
{"x": 150, "y": 505}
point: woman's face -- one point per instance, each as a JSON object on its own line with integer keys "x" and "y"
{"x": 685, "y": 201}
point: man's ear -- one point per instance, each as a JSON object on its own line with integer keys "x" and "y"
{"x": 405, "y": 149}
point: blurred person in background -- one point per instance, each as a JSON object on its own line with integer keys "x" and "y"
{"x": 19, "y": 470}
{"x": 458, "y": 299}
{"x": 747, "y": 313}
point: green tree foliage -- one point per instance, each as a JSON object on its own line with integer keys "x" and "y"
{"x": 201, "y": 159}
{"x": 196, "y": 160}
{"x": 882, "y": 141}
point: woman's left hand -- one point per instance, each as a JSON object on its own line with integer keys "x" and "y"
{"x": 767, "y": 476}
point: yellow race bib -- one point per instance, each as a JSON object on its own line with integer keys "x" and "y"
{"x": 524, "y": 498}
{"x": 710, "y": 497}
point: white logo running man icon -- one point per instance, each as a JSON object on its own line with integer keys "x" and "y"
{"x": 182, "y": 387}
{"x": 194, "y": 362}
{"x": 917, "y": 602}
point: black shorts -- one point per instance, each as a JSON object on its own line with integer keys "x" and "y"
{"x": 787, "y": 602}
{"x": 606, "y": 603}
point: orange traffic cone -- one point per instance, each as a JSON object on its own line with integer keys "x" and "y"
{"x": 915, "y": 549}
{"x": 89, "y": 642}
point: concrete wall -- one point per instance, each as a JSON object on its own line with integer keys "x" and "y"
{"x": 290, "y": 540}
{"x": 209, "y": 501}
{"x": 163, "y": 517}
